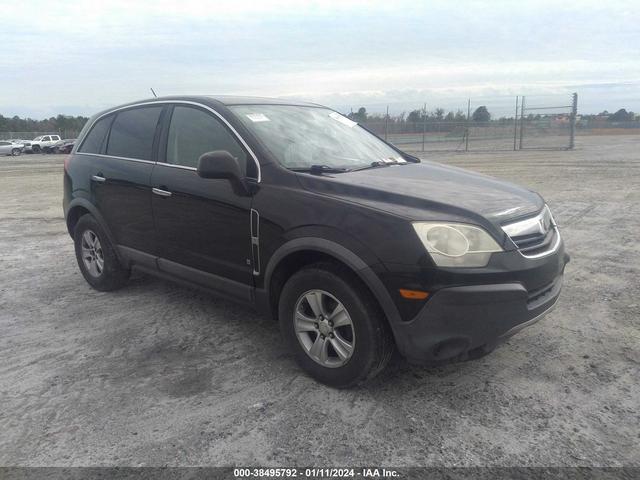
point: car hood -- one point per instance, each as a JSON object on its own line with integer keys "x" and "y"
{"x": 430, "y": 191}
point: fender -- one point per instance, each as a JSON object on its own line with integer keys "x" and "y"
{"x": 86, "y": 204}
{"x": 346, "y": 256}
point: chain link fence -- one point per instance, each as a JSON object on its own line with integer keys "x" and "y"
{"x": 477, "y": 125}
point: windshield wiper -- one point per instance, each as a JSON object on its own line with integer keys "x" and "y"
{"x": 378, "y": 164}
{"x": 320, "y": 169}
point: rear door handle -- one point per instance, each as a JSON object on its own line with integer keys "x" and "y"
{"x": 162, "y": 193}
{"x": 98, "y": 178}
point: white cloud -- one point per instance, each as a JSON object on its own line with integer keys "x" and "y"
{"x": 94, "y": 54}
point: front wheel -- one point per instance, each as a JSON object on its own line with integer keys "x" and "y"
{"x": 35, "y": 149}
{"x": 96, "y": 256}
{"x": 15, "y": 152}
{"x": 333, "y": 326}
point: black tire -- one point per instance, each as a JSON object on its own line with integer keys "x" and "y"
{"x": 35, "y": 149}
{"x": 112, "y": 275}
{"x": 373, "y": 345}
{"x": 16, "y": 152}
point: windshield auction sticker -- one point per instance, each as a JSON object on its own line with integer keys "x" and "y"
{"x": 257, "y": 117}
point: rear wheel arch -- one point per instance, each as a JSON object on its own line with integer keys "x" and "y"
{"x": 302, "y": 252}
{"x": 73, "y": 216}
{"x": 79, "y": 207}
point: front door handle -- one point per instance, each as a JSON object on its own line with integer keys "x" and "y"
{"x": 98, "y": 178}
{"x": 162, "y": 193}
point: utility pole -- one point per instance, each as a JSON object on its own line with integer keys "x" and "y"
{"x": 521, "y": 121}
{"x": 424, "y": 124}
{"x": 466, "y": 144}
{"x": 386, "y": 124}
{"x": 572, "y": 126}
{"x": 515, "y": 125}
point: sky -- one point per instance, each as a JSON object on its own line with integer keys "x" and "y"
{"x": 74, "y": 57}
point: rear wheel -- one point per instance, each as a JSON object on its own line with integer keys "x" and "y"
{"x": 333, "y": 326}
{"x": 15, "y": 152}
{"x": 96, "y": 256}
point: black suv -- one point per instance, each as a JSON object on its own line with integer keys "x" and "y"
{"x": 355, "y": 246}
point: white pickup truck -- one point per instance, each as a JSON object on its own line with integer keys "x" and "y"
{"x": 43, "y": 143}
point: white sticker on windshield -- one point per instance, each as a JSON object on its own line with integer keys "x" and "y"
{"x": 342, "y": 119}
{"x": 257, "y": 117}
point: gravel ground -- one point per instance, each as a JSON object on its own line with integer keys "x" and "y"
{"x": 157, "y": 374}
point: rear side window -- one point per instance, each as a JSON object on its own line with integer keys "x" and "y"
{"x": 132, "y": 133}
{"x": 193, "y": 132}
{"x": 95, "y": 138}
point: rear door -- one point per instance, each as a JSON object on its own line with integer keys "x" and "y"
{"x": 203, "y": 226}
{"x": 120, "y": 170}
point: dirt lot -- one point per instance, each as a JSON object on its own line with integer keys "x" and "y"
{"x": 157, "y": 374}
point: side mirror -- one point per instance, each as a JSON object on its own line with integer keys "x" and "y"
{"x": 221, "y": 164}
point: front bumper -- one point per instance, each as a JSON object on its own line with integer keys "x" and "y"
{"x": 465, "y": 322}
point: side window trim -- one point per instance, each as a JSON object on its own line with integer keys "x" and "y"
{"x": 181, "y": 102}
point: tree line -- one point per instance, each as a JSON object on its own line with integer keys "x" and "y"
{"x": 620, "y": 116}
{"x": 60, "y": 123}
{"x": 480, "y": 114}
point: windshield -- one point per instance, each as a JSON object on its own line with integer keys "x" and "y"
{"x": 38, "y": 138}
{"x": 300, "y": 137}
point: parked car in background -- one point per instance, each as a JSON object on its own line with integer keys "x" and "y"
{"x": 42, "y": 143}
{"x": 64, "y": 146}
{"x": 7, "y": 147}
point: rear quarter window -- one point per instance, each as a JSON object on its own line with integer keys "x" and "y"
{"x": 96, "y": 136}
{"x": 132, "y": 133}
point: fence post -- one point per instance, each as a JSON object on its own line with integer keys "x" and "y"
{"x": 466, "y": 145}
{"x": 521, "y": 121}
{"x": 572, "y": 126}
{"x": 515, "y": 125}
{"x": 386, "y": 124}
{"x": 424, "y": 124}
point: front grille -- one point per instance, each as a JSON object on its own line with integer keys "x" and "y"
{"x": 535, "y": 243}
{"x": 534, "y": 236}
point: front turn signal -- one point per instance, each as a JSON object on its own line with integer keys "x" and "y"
{"x": 413, "y": 294}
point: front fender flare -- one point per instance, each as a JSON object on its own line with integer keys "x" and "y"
{"x": 344, "y": 255}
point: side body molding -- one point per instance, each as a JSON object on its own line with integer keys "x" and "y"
{"x": 346, "y": 256}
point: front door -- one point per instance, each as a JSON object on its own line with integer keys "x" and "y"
{"x": 202, "y": 225}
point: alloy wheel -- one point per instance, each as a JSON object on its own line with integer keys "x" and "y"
{"x": 92, "y": 254}
{"x": 324, "y": 328}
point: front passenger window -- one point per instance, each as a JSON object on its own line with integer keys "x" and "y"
{"x": 193, "y": 132}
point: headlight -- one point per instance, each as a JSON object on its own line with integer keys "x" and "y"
{"x": 456, "y": 244}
